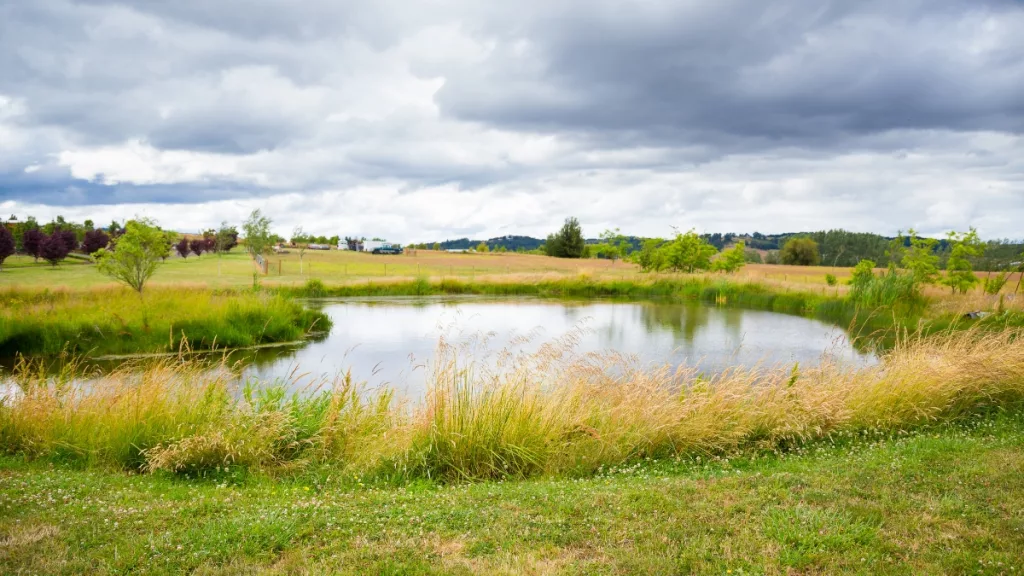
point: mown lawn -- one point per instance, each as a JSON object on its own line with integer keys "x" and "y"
{"x": 946, "y": 501}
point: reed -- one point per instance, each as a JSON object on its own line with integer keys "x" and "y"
{"x": 554, "y": 412}
{"x": 117, "y": 321}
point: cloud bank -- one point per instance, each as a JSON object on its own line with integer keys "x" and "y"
{"x": 423, "y": 121}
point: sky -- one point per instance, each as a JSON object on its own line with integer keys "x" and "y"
{"x": 438, "y": 119}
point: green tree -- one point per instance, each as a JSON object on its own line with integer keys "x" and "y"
{"x": 959, "y": 270}
{"x": 227, "y": 237}
{"x": 298, "y": 236}
{"x": 437, "y": 246}
{"x": 482, "y": 247}
{"x": 258, "y": 238}
{"x": 732, "y": 259}
{"x": 800, "y": 252}
{"x": 650, "y": 257}
{"x": 994, "y": 284}
{"x": 689, "y": 253}
{"x": 863, "y": 275}
{"x": 568, "y": 242}
{"x": 134, "y": 256}
{"x": 920, "y": 258}
{"x": 615, "y": 245}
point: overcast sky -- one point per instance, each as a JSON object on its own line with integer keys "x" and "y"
{"x": 446, "y": 118}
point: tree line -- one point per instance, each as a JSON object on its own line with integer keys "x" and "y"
{"x": 838, "y": 248}
{"x": 60, "y": 239}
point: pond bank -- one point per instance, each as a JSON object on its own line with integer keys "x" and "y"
{"x": 114, "y": 321}
{"x": 105, "y": 321}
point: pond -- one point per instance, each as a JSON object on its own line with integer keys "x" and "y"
{"x": 389, "y": 341}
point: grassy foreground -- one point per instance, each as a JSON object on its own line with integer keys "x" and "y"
{"x": 947, "y": 500}
{"x": 117, "y": 321}
{"x": 549, "y": 413}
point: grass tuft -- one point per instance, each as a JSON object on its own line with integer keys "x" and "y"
{"x": 554, "y": 412}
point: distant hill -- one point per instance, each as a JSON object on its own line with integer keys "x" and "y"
{"x": 511, "y": 243}
{"x": 837, "y": 247}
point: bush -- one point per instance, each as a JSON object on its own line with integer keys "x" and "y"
{"x": 994, "y": 284}
{"x": 831, "y": 279}
{"x": 314, "y": 288}
{"x": 800, "y": 252}
{"x": 889, "y": 289}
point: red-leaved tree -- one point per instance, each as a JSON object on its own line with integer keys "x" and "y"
{"x": 198, "y": 246}
{"x": 68, "y": 238}
{"x": 182, "y": 248}
{"x": 94, "y": 241}
{"x": 6, "y": 244}
{"x": 54, "y": 249}
{"x": 32, "y": 243}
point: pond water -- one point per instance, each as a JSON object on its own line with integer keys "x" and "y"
{"x": 388, "y": 341}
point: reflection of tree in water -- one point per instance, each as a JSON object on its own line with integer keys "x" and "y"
{"x": 684, "y": 321}
{"x": 687, "y": 321}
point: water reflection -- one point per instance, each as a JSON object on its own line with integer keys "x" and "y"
{"x": 390, "y": 341}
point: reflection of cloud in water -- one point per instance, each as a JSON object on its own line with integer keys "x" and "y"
{"x": 393, "y": 341}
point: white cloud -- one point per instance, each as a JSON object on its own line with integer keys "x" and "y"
{"x": 422, "y": 123}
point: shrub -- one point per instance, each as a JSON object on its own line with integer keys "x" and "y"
{"x": 831, "y": 279}
{"x": 800, "y": 252}
{"x": 314, "y": 288}
{"x": 890, "y": 289}
{"x": 994, "y": 284}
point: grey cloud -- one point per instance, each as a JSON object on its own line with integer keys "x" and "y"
{"x": 797, "y": 71}
{"x": 655, "y": 110}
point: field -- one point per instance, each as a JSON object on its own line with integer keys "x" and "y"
{"x": 343, "y": 267}
{"x": 558, "y": 464}
{"x": 947, "y": 500}
{"x": 911, "y": 467}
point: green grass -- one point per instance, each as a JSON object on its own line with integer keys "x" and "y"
{"x": 117, "y": 321}
{"x": 947, "y": 500}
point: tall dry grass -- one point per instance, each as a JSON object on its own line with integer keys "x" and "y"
{"x": 515, "y": 415}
